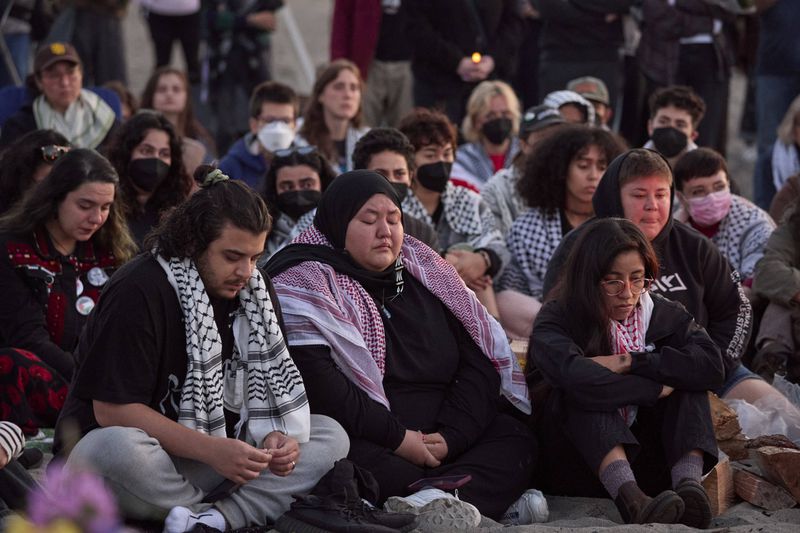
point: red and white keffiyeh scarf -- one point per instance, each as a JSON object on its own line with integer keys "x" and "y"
{"x": 322, "y": 306}
{"x": 629, "y": 336}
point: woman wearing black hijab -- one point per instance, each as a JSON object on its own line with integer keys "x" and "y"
{"x": 392, "y": 345}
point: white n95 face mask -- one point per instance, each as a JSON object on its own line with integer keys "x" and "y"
{"x": 276, "y": 135}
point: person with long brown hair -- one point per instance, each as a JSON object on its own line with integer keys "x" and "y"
{"x": 168, "y": 91}
{"x": 60, "y": 244}
{"x": 332, "y": 121}
{"x": 622, "y": 377}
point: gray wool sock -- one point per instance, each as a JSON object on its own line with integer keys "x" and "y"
{"x": 689, "y": 466}
{"x": 615, "y": 475}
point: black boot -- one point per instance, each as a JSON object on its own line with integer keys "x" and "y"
{"x": 636, "y": 507}
{"x": 312, "y": 514}
{"x": 31, "y": 458}
{"x": 770, "y": 359}
{"x": 698, "y": 508}
{"x": 339, "y": 502}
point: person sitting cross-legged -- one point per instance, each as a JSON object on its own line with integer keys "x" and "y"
{"x": 185, "y": 397}
{"x": 392, "y": 345}
{"x": 625, "y": 375}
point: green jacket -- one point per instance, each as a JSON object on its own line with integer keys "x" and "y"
{"x": 777, "y": 274}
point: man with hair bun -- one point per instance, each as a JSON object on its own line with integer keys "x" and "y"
{"x": 186, "y": 399}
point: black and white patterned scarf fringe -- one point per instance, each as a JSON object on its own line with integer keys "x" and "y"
{"x": 267, "y": 388}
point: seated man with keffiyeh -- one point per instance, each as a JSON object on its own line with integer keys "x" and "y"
{"x": 185, "y": 398}
{"x": 392, "y": 344}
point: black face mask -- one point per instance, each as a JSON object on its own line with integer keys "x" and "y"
{"x": 434, "y": 176}
{"x": 497, "y": 130}
{"x": 147, "y": 174}
{"x": 669, "y": 141}
{"x": 298, "y": 203}
{"x": 401, "y": 189}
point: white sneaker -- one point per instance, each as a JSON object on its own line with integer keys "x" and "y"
{"x": 436, "y": 510}
{"x": 530, "y": 508}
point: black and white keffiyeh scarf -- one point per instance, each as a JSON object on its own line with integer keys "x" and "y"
{"x": 461, "y": 210}
{"x": 262, "y": 382}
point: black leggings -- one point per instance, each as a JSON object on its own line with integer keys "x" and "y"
{"x": 165, "y": 29}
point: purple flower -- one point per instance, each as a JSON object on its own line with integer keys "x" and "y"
{"x": 80, "y": 497}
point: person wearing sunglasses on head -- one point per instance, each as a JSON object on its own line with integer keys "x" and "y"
{"x": 621, "y": 378}
{"x": 58, "y": 247}
{"x": 295, "y": 182}
{"x": 26, "y": 162}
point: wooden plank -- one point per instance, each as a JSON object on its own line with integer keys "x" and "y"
{"x": 754, "y": 489}
{"x": 719, "y": 487}
{"x": 780, "y": 466}
{"x": 735, "y": 448}
{"x": 726, "y": 423}
{"x": 780, "y": 441}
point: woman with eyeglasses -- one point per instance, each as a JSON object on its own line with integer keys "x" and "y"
{"x": 146, "y": 153}
{"x": 58, "y": 247}
{"x": 332, "y": 121}
{"x": 621, "y": 377}
{"x": 26, "y": 162}
{"x": 296, "y": 179}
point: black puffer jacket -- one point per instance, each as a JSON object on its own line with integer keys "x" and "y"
{"x": 692, "y": 272}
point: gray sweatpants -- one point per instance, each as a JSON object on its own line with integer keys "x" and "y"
{"x": 148, "y": 481}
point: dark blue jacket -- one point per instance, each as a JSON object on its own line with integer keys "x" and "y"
{"x": 240, "y": 164}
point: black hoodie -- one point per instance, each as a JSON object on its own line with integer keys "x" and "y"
{"x": 692, "y": 272}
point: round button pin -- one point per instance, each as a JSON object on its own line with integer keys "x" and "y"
{"x": 84, "y": 305}
{"x": 78, "y": 287}
{"x": 97, "y": 277}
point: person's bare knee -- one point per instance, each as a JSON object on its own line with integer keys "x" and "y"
{"x": 757, "y": 390}
{"x": 617, "y": 453}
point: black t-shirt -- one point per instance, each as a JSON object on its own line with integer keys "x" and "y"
{"x": 394, "y": 43}
{"x": 133, "y": 349}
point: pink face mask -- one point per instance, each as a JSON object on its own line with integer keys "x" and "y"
{"x": 711, "y": 208}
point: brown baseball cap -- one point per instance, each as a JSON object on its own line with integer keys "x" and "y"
{"x": 591, "y": 88}
{"x": 53, "y": 53}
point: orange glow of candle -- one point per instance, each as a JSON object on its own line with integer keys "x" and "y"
{"x": 476, "y": 57}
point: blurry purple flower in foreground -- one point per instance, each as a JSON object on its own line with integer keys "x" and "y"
{"x": 79, "y": 497}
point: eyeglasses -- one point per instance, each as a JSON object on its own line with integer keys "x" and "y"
{"x": 300, "y": 150}
{"x": 51, "y": 152}
{"x": 613, "y": 287}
